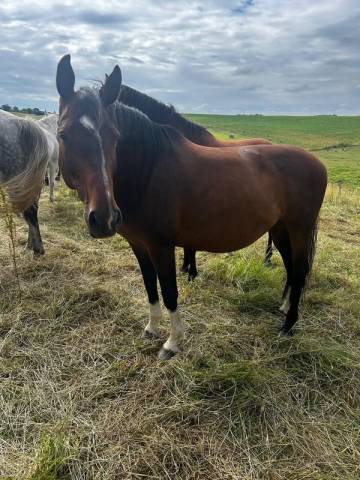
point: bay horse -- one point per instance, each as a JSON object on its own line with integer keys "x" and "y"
{"x": 164, "y": 114}
{"x": 157, "y": 189}
{"x": 24, "y": 156}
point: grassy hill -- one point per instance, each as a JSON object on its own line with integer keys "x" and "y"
{"x": 83, "y": 396}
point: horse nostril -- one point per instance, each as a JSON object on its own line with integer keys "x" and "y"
{"x": 116, "y": 218}
{"x": 93, "y": 221}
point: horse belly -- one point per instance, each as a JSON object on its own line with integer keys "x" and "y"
{"x": 225, "y": 230}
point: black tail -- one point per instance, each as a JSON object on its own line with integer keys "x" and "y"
{"x": 312, "y": 246}
{"x": 269, "y": 251}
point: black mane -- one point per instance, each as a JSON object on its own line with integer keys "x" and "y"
{"x": 161, "y": 113}
{"x": 135, "y": 127}
{"x": 142, "y": 145}
{"x": 139, "y": 131}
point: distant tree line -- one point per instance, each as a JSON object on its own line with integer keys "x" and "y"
{"x": 29, "y": 111}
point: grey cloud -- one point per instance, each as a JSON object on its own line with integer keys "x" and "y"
{"x": 136, "y": 60}
{"x": 344, "y": 32}
{"x": 242, "y": 7}
{"x": 62, "y": 13}
{"x": 97, "y": 18}
{"x": 305, "y": 87}
{"x": 225, "y": 57}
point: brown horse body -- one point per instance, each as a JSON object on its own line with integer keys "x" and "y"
{"x": 172, "y": 192}
{"x": 241, "y": 211}
{"x": 167, "y": 115}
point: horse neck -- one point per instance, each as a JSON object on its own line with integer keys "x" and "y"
{"x": 166, "y": 115}
{"x": 141, "y": 146}
{"x": 192, "y": 131}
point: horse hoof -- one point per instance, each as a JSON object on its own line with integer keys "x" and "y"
{"x": 192, "y": 276}
{"x": 268, "y": 263}
{"x": 39, "y": 252}
{"x": 166, "y": 354}
{"x": 284, "y": 332}
{"x": 148, "y": 335}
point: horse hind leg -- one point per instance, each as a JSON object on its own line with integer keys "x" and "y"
{"x": 52, "y": 174}
{"x": 303, "y": 248}
{"x": 186, "y": 261}
{"x": 34, "y": 239}
{"x": 280, "y": 237}
{"x": 192, "y": 272}
{"x": 268, "y": 251}
{"x": 189, "y": 264}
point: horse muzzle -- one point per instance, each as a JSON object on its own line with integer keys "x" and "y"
{"x": 101, "y": 226}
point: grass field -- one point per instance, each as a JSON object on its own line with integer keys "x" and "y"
{"x": 83, "y": 396}
{"x": 336, "y": 140}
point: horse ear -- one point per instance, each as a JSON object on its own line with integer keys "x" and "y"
{"x": 65, "y": 78}
{"x": 109, "y": 92}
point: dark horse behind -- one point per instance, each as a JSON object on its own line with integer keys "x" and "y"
{"x": 150, "y": 184}
{"x": 167, "y": 115}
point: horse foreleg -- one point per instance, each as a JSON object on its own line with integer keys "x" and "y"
{"x": 150, "y": 282}
{"x": 285, "y": 306}
{"x": 34, "y": 237}
{"x": 164, "y": 262}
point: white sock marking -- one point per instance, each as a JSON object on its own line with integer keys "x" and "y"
{"x": 155, "y": 316}
{"x": 285, "y": 307}
{"x": 177, "y": 329}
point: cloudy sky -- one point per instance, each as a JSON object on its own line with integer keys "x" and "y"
{"x": 212, "y": 56}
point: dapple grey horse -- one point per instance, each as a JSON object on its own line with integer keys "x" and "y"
{"x": 24, "y": 156}
{"x": 49, "y": 125}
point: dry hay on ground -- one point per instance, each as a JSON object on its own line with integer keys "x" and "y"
{"x": 82, "y": 396}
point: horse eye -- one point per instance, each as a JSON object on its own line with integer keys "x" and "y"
{"x": 62, "y": 136}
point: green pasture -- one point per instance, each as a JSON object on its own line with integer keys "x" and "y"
{"x": 335, "y": 140}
